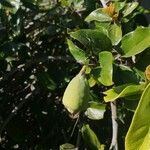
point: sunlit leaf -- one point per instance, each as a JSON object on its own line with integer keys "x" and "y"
{"x": 77, "y": 53}
{"x": 123, "y": 91}
{"x": 135, "y": 42}
{"x": 95, "y": 111}
{"x": 91, "y": 81}
{"x": 138, "y": 135}
{"x": 98, "y": 15}
{"x": 106, "y": 60}
{"x": 129, "y": 8}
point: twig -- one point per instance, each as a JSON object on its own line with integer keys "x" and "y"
{"x": 75, "y": 125}
{"x": 79, "y": 133}
{"x": 114, "y": 142}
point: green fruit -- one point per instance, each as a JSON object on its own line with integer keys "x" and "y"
{"x": 76, "y": 95}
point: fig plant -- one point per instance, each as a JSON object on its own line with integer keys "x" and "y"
{"x": 73, "y": 74}
{"x": 112, "y": 48}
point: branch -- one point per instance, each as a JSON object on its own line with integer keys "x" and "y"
{"x": 105, "y": 2}
{"x": 114, "y": 142}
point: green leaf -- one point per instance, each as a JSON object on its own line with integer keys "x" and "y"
{"x": 92, "y": 40}
{"x": 123, "y": 91}
{"x": 98, "y": 15}
{"x": 129, "y": 8}
{"x": 141, "y": 63}
{"x": 119, "y": 5}
{"x": 135, "y": 42}
{"x": 106, "y": 60}
{"x": 67, "y": 146}
{"x": 140, "y": 73}
{"x": 115, "y": 33}
{"x": 90, "y": 138}
{"x": 138, "y": 135}
{"x": 95, "y": 111}
{"x": 91, "y": 81}
{"x": 77, "y": 53}
{"x": 124, "y": 75}
{"x": 102, "y": 27}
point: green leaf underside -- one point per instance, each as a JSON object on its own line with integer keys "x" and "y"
{"x": 135, "y": 42}
{"x": 90, "y": 138}
{"x": 95, "y": 111}
{"x": 138, "y": 136}
{"x": 92, "y": 40}
{"x": 123, "y": 91}
{"x": 77, "y": 53}
{"x": 106, "y": 60}
{"x": 98, "y": 15}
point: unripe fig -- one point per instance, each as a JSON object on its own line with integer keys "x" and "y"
{"x": 76, "y": 95}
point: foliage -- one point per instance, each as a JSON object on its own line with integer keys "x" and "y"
{"x": 44, "y": 44}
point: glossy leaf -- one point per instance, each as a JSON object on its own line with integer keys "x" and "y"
{"x": 129, "y": 8}
{"x": 115, "y": 33}
{"x": 135, "y": 42}
{"x": 119, "y": 5}
{"x": 92, "y": 40}
{"x": 106, "y": 60}
{"x": 90, "y": 138}
{"x": 95, "y": 111}
{"x": 102, "y": 27}
{"x": 98, "y": 15}
{"x": 138, "y": 136}
{"x": 77, "y": 53}
{"x": 123, "y": 91}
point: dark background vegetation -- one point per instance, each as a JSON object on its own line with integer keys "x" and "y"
{"x": 35, "y": 68}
